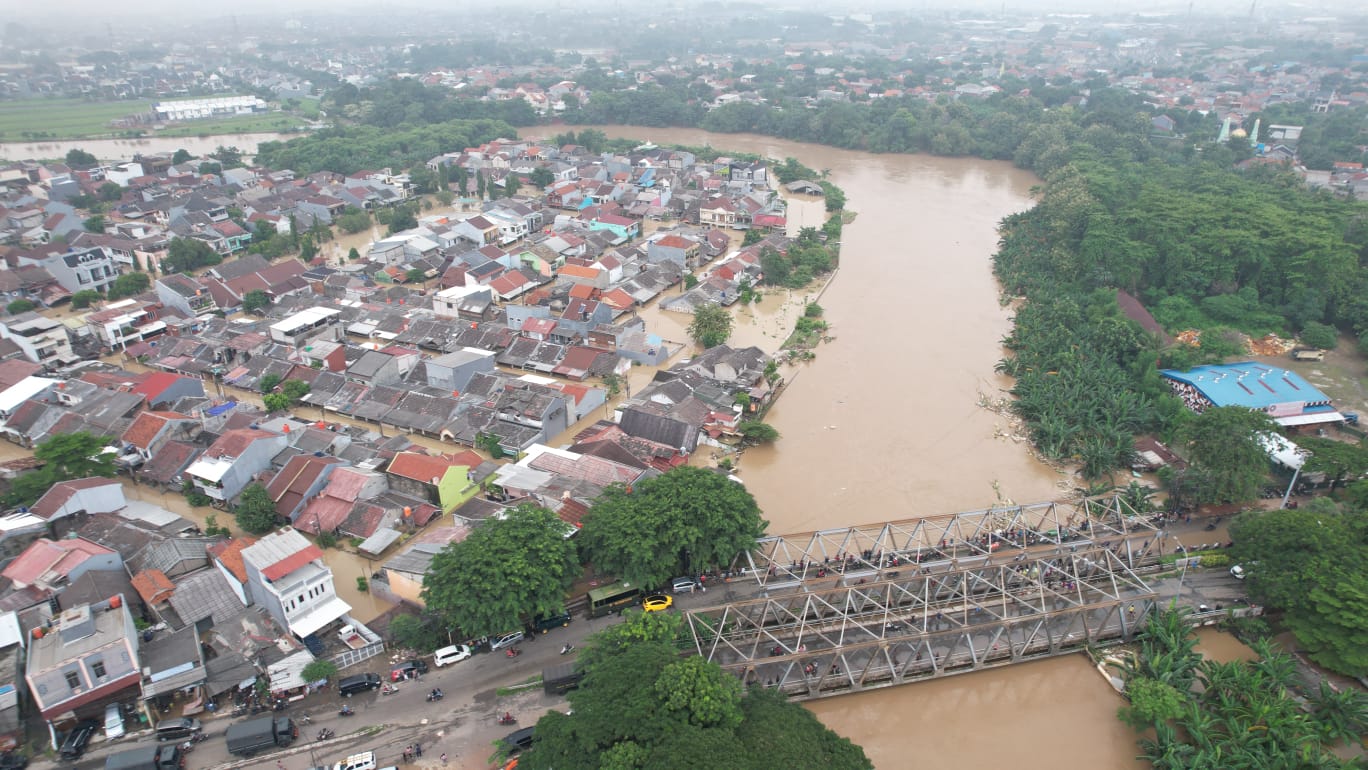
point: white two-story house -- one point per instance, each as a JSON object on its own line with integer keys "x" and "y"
{"x": 83, "y": 659}
{"x": 230, "y": 463}
{"x": 286, "y": 575}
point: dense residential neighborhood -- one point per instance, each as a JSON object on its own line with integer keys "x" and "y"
{"x": 260, "y": 404}
{"x": 490, "y": 328}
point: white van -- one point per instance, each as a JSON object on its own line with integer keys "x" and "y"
{"x": 363, "y": 761}
{"x": 113, "y": 722}
{"x": 448, "y": 655}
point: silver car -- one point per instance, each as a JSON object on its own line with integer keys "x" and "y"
{"x": 507, "y": 640}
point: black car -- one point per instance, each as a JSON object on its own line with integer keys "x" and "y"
{"x": 352, "y": 685}
{"x": 559, "y": 620}
{"x": 518, "y": 740}
{"x": 408, "y": 670}
{"x": 76, "y": 741}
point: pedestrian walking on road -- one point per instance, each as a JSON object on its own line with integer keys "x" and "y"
{"x": 443, "y": 759}
{"x": 280, "y": 765}
{"x": 417, "y": 749}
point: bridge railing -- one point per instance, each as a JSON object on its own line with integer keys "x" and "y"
{"x": 885, "y": 550}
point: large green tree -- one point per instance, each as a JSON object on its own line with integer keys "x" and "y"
{"x": 1222, "y": 444}
{"x": 129, "y": 285}
{"x": 711, "y": 325}
{"x": 64, "y": 456}
{"x": 506, "y": 572}
{"x": 679, "y": 523}
{"x": 1337, "y": 460}
{"x": 1309, "y": 562}
{"x": 256, "y": 299}
{"x": 256, "y": 512}
{"x": 75, "y": 456}
{"x": 642, "y": 706}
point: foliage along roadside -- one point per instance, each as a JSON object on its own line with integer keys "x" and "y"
{"x": 641, "y": 705}
{"x": 1308, "y": 562}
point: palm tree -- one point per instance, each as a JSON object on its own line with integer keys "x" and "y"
{"x": 1339, "y": 715}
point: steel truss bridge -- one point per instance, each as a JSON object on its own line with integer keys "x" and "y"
{"x": 852, "y": 609}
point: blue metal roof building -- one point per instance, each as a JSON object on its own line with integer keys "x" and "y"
{"x": 1282, "y": 393}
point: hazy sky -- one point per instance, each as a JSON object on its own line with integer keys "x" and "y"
{"x": 144, "y": 13}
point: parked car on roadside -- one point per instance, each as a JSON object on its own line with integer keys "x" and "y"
{"x": 74, "y": 745}
{"x": 656, "y": 603}
{"x": 410, "y": 669}
{"x": 448, "y": 655}
{"x": 506, "y": 640}
{"x": 559, "y": 620}
{"x": 685, "y": 585}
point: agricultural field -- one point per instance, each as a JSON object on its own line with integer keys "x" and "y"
{"x": 244, "y": 124}
{"x": 27, "y": 119}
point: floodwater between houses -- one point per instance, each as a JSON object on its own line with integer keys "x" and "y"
{"x": 886, "y": 424}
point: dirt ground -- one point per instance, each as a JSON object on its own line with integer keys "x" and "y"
{"x": 1341, "y": 376}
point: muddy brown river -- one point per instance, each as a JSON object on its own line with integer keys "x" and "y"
{"x": 886, "y": 423}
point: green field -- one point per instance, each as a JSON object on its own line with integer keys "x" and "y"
{"x": 63, "y": 118}
{"x": 246, "y": 124}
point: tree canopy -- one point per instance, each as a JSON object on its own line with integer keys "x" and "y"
{"x": 1222, "y": 447}
{"x": 349, "y": 149}
{"x": 506, "y": 572}
{"x": 1309, "y": 563}
{"x": 256, "y": 512}
{"x": 678, "y": 523}
{"x": 711, "y": 325}
{"x": 65, "y": 456}
{"x": 256, "y": 299}
{"x": 642, "y": 707}
{"x": 129, "y": 285}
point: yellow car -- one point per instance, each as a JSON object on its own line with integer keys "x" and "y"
{"x": 657, "y": 602}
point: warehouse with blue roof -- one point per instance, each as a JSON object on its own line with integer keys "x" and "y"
{"x": 1281, "y": 393}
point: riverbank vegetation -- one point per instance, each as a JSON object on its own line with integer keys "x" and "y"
{"x": 1202, "y": 242}
{"x": 349, "y": 149}
{"x": 1200, "y": 714}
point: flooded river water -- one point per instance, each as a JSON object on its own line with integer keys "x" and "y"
{"x": 886, "y": 423}
{"x": 125, "y": 149}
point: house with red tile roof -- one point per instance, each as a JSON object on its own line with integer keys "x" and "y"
{"x": 287, "y": 577}
{"x": 51, "y": 564}
{"x": 152, "y": 429}
{"x": 303, "y": 477}
{"x": 227, "y": 556}
{"x": 345, "y": 488}
{"x": 230, "y": 463}
{"x": 445, "y": 480}
{"x": 89, "y": 495}
{"x": 154, "y": 587}
{"x": 161, "y": 388}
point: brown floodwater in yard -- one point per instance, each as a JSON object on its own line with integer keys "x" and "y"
{"x": 887, "y": 423}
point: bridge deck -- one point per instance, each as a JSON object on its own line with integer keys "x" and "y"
{"x": 864, "y": 607}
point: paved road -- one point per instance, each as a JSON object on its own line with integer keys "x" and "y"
{"x": 463, "y": 724}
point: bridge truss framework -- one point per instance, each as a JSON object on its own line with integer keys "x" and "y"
{"x": 865, "y": 607}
